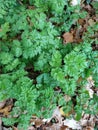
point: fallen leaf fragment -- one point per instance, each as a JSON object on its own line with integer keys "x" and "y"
{"x": 47, "y": 120}
{"x": 81, "y": 21}
{"x": 83, "y": 122}
{"x": 64, "y": 128}
{"x": 68, "y": 37}
{"x": 5, "y": 111}
{"x": 2, "y": 104}
{"x": 73, "y": 124}
{"x": 75, "y": 2}
{"x": 38, "y": 123}
{"x": 91, "y": 22}
{"x": 88, "y": 122}
{"x": 88, "y": 128}
{"x": 53, "y": 127}
{"x": 89, "y": 85}
{"x": 67, "y": 98}
{"x": 31, "y": 128}
{"x": 91, "y": 81}
{"x": 31, "y": 7}
{"x": 79, "y": 33}
{"x": 58, "y": 116}
{"x": 15, "y": 128}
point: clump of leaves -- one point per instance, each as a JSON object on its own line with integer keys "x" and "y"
{"x": 31, "y": 37}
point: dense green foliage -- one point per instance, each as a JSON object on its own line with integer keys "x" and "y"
{"x": 31, "y": 38}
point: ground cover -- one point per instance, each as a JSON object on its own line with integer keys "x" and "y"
{"x": 48, "y": 64}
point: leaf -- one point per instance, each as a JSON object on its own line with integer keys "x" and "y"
{"x": 89, "y": 86}
{"x": 18, "y": 51}
{"x": 73, "y": 124}
{"x": 57, "y": 115}
{"x": 68, "y": 37}
{"x": 74, "y": 63}
{"x": 12, "y": 65}
{"x": 91, "y": 22}
{"x": 62, "y": 112}
{"x": 75, "y": 2}
{"x": 4, "y": 29}
{"x": 31, "y": 128}
{"x": 5, "y": 111}
{"x": 56, "y": 59}
{"x": 65, "y": 114}
{"x": 2, "y": 104}
{"x": 67, "y": 98}
{"x": 88, "y": 121}
{"x": 14, "y": 128}
{"x": 58, "y": 74}
{"x": 5, "y": 58}
{"x": 81, "y": 21}
{"x": 78, "y": 116}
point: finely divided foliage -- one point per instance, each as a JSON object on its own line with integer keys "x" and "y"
{"x": 30, "y": 37}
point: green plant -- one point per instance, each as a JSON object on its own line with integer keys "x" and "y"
{"x": 32, "y": 38}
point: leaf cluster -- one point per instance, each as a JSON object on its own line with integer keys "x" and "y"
{"x": 30, "y": 36}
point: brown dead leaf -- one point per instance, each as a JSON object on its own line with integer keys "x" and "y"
{"x": 88, "y": 128}
{"x": 33, "y": 119}
{"x": 88, "y": 8}
{"x": 91, "y": 22}
{"x": 81, "y": 21}
{"x": 79, "y": 34}
{"x": 31, "y": 7}
{"x": 14, "y": 128}
{"x": 38, "y": 122}
{"x": 79, "y": 80}
{"x": 64, "y": 128}
{"x": 5, "y": 111}
{"x": 6, "y": 107}
{"x": 68, "y": 37}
